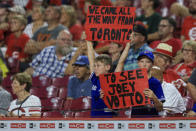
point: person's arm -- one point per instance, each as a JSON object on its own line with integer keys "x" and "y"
{"x": 153, "y": 36}
{"x": 123, "y": 57}
{"x": 157, "y": 104}
{"x": 91, "y": 55}
{"x": 192, "y": 89}
{"x": 34, "y": 47}
{"x": 80, "y": 50}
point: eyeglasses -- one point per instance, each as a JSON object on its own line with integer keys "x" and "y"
{"x": 164, "y": 26}
{"x": 188, "y": 50}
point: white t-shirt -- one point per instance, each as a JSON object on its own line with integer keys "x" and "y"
{"x": 28, "y": 29}
{"x": 32, "y": 105}
{"x": 173, "y": 99}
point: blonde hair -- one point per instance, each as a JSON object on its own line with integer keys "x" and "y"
{"x": 191, "y": 43}
{"x": 105, "y": 59}
{"x": 20, "y": 18}
{"x": 70, "y": 11}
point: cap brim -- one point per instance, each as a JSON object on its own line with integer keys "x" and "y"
{"x": 145, "y": 56}
{"x": 79, "y": 63}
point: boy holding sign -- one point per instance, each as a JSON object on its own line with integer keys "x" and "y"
{"x": 99, "y": 65}
{"x": 154, "y": 92}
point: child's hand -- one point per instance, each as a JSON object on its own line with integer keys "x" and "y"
{"x": 149, "y": 93}
{"x": 101, "y": 94}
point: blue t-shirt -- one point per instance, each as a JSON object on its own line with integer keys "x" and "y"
{"x": 144, "y": 111}
{"x": 78, "y": 88}
{"x": 98, "y": 107}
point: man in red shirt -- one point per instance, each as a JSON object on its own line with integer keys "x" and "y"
{"x": 165, "y": 31}
{"x": 189, "y": 24}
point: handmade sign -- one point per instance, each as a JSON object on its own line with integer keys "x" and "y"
{"x": 124, "y": 89}
{"x": 108, "y": 23}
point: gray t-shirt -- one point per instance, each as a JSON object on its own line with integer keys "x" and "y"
{"x": 5, "y": 100}
{"x": 192, "y": 78}
{"x": 43, "y": 34}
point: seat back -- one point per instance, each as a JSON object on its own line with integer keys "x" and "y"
{"x": 44, "y": 92}
{"x": 50, "y": 104}
{"x": 41, "y": 81}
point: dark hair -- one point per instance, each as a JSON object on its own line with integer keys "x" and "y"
{"x": 170, "y": 21}
{"x": 156, "y": 3}
{"x": 24, "y": 78}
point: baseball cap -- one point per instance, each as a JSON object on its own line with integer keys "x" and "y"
{"x": 148, "y": 54}
{"x": 17, "y": 9}
{"x": 139, "y": 28}
{"x": 82, "y": 60}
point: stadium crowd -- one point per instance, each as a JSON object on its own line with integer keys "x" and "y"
{"x": 48, "y": 69}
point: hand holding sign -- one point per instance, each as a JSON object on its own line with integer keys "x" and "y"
{"x": 107, "y": 23}
{"x": 124, "y": 89}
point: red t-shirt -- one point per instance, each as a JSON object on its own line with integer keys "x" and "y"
{"x": 76, "y": 31}
{"x": 184, "y": 69}
{"x": 189, "y": 28}
{"x": 174, "y": 42}
{"x": 172, "y": 77}
{"x": 15, "y": 44}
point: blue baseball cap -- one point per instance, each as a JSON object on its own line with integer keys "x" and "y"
{"x": 82, "y": 60}
{"x": 148, "y": 54}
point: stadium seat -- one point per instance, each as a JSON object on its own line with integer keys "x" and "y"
{"x": 83, "y": 114}
{"x": 124, "y": 113}
{"x": 67, "y": 105}
{"x": 7, "y": 81}
{"x": 82, "y": 103}
{"x": 60, "y": 82}
{"x": 13, "y": 65}
{"x": 44, "y": 92}
{"x": 41, "y": 81}
{"x": 62, "y": 93}
{"x": 56, "y": 114}
{"x": 52, "y": 104}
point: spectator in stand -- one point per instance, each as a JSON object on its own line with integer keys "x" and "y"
{"x": 4, "y": 26}
{"x": 16, "y": 10}
{"x": 189, "y": 26}
{"x": 100, "y": 65}
{"x": 38, "y": 21}
{"x": 174, "y": 103}
{"x": 47, "y": 35}
{"x": 163, "y": 58}
{"x": 138, "y": 44}
{"x": 4, "y": 31}
{"x": 79, "y": 85}
{"x": 5, "y": 98}
{"x": 122, "y": 3}
{"x": 68, "y": 19}
{"x": 53, "y": 61}
{"x": 17, "y": 40}
{"x": 26, "y": 104}
{"x": 155, "y": 91}
{"x": 192, "y": 89}
{"x": 188, "y": 63}
{"x": 166, "y": 29}
{"x": 114, "y": 51}
{"x": 150, "y": 18}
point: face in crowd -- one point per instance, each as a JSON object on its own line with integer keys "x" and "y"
{"x": 64, "y": 43}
